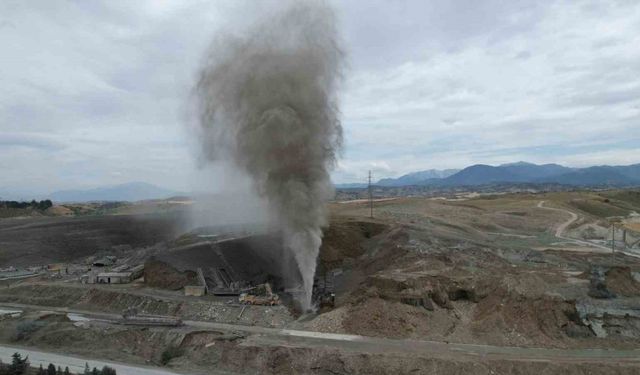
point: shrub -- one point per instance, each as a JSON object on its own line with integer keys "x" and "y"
{"x": 170, "y": 353}
{"x": 25, "y": 329}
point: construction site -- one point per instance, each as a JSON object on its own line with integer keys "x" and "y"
{"x": 499, "y": 283}
{"x": 189, "y": 188}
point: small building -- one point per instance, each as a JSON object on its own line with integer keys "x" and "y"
{"x": 119, "y": 275}
{"x": 89, "y": 278}
{"x": 113, "y": 278}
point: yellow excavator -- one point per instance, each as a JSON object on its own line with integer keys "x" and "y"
{"x": 259, "y": 295}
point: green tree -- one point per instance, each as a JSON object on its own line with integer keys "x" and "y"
{"x": 106, "y": 370}
{"x": 18, "y": 365}
{"x": 87, "y": 370}
{"x": 66, "y": 371}
{"x": 51, "y": 369}
{"x": 41, "y": 370}
{"x": 43, "y": 205}
{"x": 95, "y": 371}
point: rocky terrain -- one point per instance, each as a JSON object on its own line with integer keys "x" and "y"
{"x": 527, "y": 272}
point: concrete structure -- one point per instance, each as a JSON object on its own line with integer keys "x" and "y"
{"x": 197, "y": 290}
{"x": 232, "y": 265}
{"x": 113, "y": 278}
{"x": 119, "y": 276}
{"x": 89, "y": 278}
{"x": 194, "y": 290}
{"x": 202, "y": 280}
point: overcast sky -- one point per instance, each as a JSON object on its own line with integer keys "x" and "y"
{"x": 95, "y": 93}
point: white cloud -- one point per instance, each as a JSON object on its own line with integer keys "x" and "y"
{"x": 95, "y": 93}
{"x": 565, "y": 83}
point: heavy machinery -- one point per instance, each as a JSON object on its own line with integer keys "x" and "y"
{"x": 328, "y": 300}
{"x": 259, "y": 295}
{"x": 323, "y": 292}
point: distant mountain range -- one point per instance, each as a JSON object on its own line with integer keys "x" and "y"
{"x": 520, "y": 172}
{"x": 133, "y": 191}
{"x": 417, "y": 177}
{"x": 475, "y": 175}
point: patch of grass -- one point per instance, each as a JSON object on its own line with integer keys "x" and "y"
{"x": 547, "y": 238}
{"x": 517, "y": 213}
{"x": 599, "y": 208}
{"x": 629, "y": 197}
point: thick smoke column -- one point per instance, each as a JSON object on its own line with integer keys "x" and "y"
{"x": 267, "y": 103}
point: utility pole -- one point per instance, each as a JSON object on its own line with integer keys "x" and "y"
{"x": 370, "y": 197}
{"x": 613, "y": 238}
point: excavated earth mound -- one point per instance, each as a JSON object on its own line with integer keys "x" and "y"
{"x": 344, "y": 239}
{"x": 620, "y": 281}
{"x": 159, "y": 274}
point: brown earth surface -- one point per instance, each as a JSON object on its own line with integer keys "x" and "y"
{"x": 159, "y": 274}
{"x": 620, "y": 281}
{"x": 487, "y": 271}
{"x": 197, "y": 350}
{"x": 466, "y": 271}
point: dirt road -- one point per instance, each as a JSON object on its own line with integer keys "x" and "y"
{"x": 563, "y": 227}
{"x": 365, "y": 344}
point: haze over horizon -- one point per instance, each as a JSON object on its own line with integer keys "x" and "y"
{"x": 96, "y": 94}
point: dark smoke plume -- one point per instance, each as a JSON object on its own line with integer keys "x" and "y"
{"x": 267, "y": 103}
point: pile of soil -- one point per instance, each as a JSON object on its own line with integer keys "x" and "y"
{"x": 378, "y": 317}
{"x": 502, "y": 319}
{"x": 331, "y": 321}
{"x": 159, "y": 274}
{"x": 620, "y": 281}
{"x": 345, "y": 240}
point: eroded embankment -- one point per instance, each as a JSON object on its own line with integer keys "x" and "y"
{"x": 100, "y": 300}
{"x": 200, "y": 351}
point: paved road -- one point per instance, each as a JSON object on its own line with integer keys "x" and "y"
{"x": 510, "y": 235}
{"x": 75, "y": 364}
{"x": 364, "y": 344}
